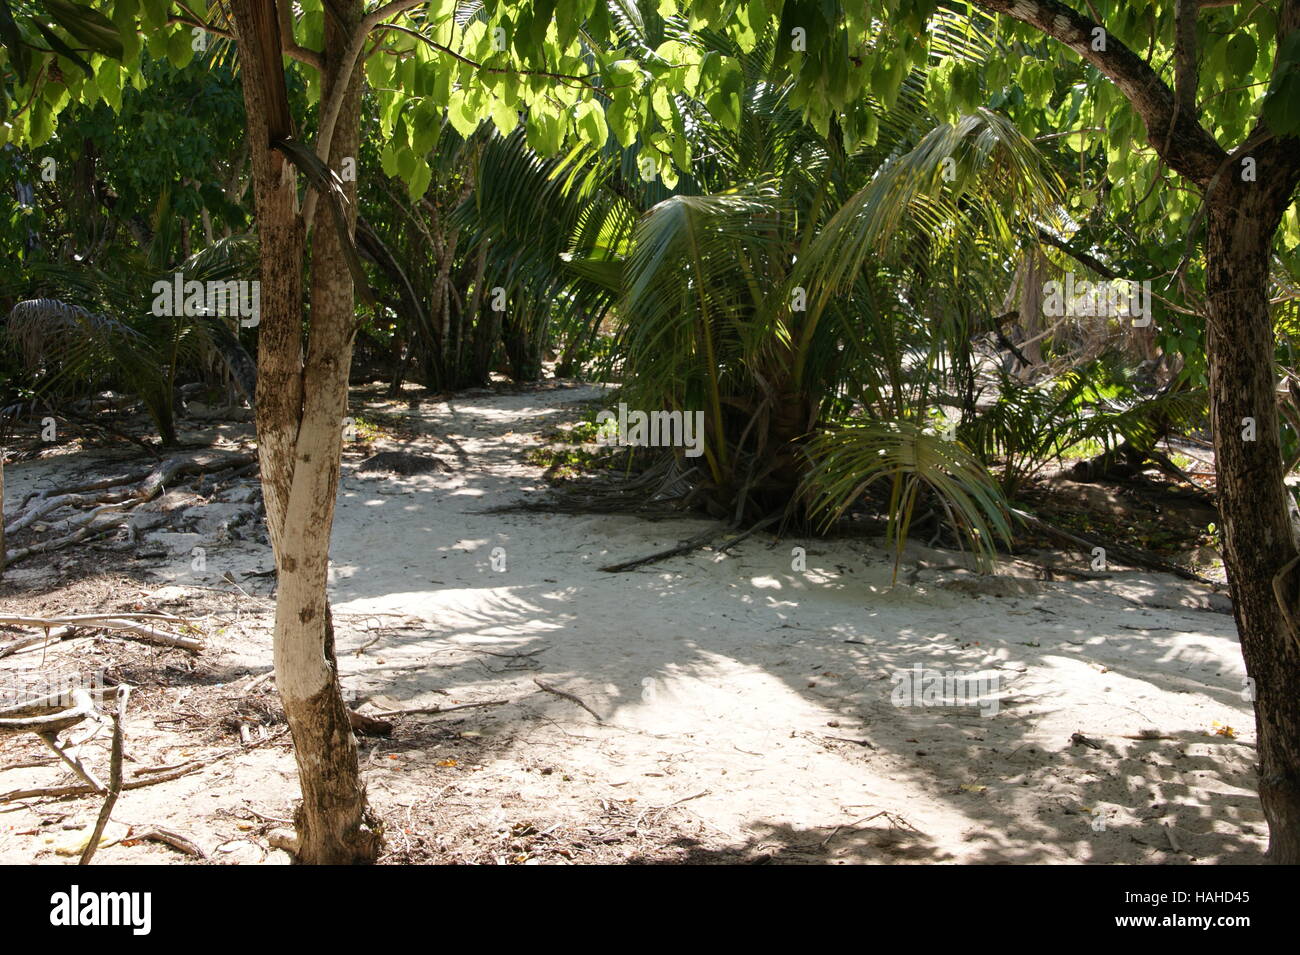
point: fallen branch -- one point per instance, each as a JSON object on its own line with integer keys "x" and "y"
{"x": 183, "y": 769}
{"x": 432, "y": 710}
{"x": 685, "y": 547}
{"x": 47, "y": 505}
{"x": 369, "y": 725}
{"x": 45, "y": 547}
{"x": 29, "y": 718}
{"x": 1130, "y": 555}
{"x": 42, "y": 639}
{"x": 570, "y": 697}
{"x": 98, "y": 485}
{"x": 173, "y": 839}
{"x": 197, "y": 463}
{"x": 131, "y": 624}
{"x": 764, "y": 523}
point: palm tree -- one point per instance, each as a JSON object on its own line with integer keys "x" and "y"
{"x": 94, "y": 327}
{"x": 796, "y": 282}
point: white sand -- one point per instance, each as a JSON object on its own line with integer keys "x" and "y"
{"x": 725, "y": 680}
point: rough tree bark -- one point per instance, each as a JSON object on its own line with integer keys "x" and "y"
{"x": 1242, "y": 218}
{"x": 1257, "y": 535}
{"x": 301, "y": 400}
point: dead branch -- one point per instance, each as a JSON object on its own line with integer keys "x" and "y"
{"x": 198, "y": 462}
{"x": 125, "y": 623}
{"x": 183, "y": 769}
{"x": 45, "y": 547}
{"x": 745, "y": 535}
{"x": 174, "y": 839}
{"x": 43, "y": 639}
{"x": 114, "y": 775}
{"x": 1130, "y": 555}
{"x": 46, "y": 505}
{"x": 570, "y": 697}
{"x": 432, "y": 710}
{"x": 65, "y": 753}
{"x": 685, "y": 547}
{"x": 369, "y": 725}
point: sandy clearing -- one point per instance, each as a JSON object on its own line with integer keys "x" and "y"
{"x": 752, "y": 698}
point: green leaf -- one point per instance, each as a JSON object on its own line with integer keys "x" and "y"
{"x": 388, "y": 159}
{"x": 461, "y": 113}
{"x": 419, "y": 180}
{"x": 89, "y": 27}
{"x": 589, "y": 120}
{"x": 504, "y": 116}
{"x": 1282, "y": 106}
{"x": 61, "y": 48}
{"x": 180, "y": 50}
{"x": 1240, "y": 55}
{"x": 545, "y": 131}
{"x": 426, "y": 125}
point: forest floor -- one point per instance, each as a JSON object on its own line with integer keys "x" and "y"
{"x": 732, "y": 708}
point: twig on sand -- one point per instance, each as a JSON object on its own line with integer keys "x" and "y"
{"x": 114, "y": 776}
{"x": 1173, "y": 840}
{"x": 895, "y": 820}
{"x": 570, "y": 697}
{"x": 164, "y": 774}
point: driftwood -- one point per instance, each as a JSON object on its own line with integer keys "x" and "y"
{"x": 197, "y": 463}
{"x": 130, "y": 624}
{"x": 109, "y": 494}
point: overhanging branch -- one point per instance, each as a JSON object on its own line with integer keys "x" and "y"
{"x": 1175, "y": 134}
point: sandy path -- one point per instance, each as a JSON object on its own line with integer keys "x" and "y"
{"x": 722, "y": 679}
{"x": 746, "y": 705}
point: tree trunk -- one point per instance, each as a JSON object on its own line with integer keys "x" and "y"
{"x": 300, "y": 406}
{"x": 1257, "y": 535}
{"x": 486, "y": 325}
